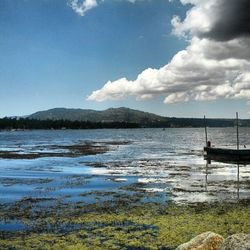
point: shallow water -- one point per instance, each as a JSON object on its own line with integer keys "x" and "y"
{"x": 156, "y": 165}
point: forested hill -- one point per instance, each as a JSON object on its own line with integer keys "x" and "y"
{"x": 109, "y": 115}
{"x": 111, "y": 118}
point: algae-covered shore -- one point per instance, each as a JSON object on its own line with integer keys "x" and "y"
{"x": 119, "y": 224}
{"x": 127, "y": 190}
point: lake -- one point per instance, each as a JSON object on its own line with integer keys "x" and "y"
{"x": 156, "y": 165}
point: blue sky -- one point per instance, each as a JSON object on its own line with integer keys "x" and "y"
{"x": 50, "y": 56}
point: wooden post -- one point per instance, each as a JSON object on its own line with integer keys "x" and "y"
{"x": 238, "y": 181}
{"x": 237, "y": 127}
{"x": 205, "y": 125}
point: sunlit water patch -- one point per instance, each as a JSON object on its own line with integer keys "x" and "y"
{"x": 154, "y": 164}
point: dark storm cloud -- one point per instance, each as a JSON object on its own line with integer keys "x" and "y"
{"x": 232, "y": 20}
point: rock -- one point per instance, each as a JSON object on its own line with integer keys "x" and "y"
{"x": 237, "y": 242}
{"x": 204, "y": 241}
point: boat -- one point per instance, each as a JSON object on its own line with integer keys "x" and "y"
{"x": 227, "y": 151}
{"x": 226, "y": 154}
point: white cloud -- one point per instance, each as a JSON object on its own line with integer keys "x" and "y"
{"x": 81, "y": 7}
{"x": 212, "y": 66}
{"x": 219, "y": 20}
{"x": 194, "y": 73}
{"x": 177, "y": 97}
{"x": 197, "y": 20}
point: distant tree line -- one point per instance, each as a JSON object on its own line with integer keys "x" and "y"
{"x": 27, "y": 123}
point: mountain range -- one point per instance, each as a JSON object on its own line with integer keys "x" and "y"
{"x": 126, "y": 115}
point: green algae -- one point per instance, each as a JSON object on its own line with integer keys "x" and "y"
{"x": 76, "y": 150}
{"x": 130, "y": 226}
{"x": 7, "y": 182}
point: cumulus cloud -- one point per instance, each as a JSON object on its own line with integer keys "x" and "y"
{"x": 215, "y": 64}
{"x": 81, "y": 7}
{"x": 219, "y": 20}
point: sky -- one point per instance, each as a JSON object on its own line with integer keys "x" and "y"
{"x": 181, "y": 58}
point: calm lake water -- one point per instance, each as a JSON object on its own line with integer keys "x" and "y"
{"x": 151, "y": 164}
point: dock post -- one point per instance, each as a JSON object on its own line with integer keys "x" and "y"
{"x": 205, "y": 125}
{"x": 237, "y": 126}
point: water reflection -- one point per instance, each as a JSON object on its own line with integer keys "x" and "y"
{"x": 210, "y": 160}
{"x": 206, "y": 175}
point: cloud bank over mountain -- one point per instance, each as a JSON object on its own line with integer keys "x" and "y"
{"x": 215, "y": 64}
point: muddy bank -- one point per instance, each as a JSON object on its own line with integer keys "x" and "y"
{"x": 75, "y": 150}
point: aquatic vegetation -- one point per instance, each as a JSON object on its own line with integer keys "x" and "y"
{"x": 75, "y": 181}
{"x": 23, "y": 181}
{"x": 110, "y": 226}
{"x": 75, "y": 150}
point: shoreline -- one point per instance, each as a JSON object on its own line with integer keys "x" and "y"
{"x": 120, "y": 224}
